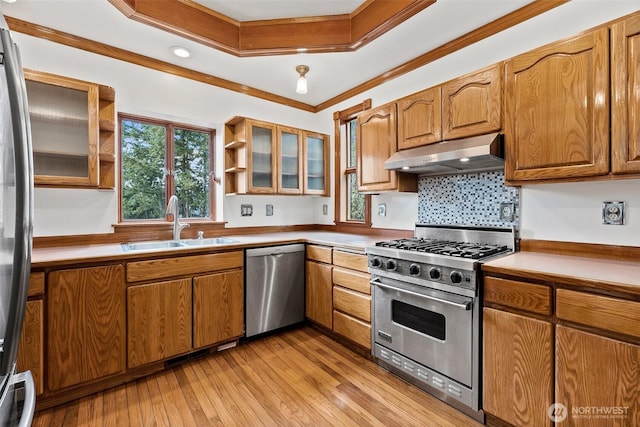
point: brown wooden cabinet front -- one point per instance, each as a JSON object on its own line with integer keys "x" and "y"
{"x": 472, "y": 104}
{"x": 85, "y": 325}
{"x": 31, "y": 347}
{"x": 599, "y": 377}
{"x": 218, "y": 308}
{"x": 319, "y": 301}
{"x": 158, "y": 321}
{"x": 420, "y": 118}
{"x": 518, "y": 368}
{"x": 557, "y": 110}
{"x": 625, "y": 96}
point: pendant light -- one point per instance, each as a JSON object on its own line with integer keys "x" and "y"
{"x": 301, "y": 87}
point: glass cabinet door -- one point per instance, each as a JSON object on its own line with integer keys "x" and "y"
{"x": 289, "y": 161}
{"x": 64, "y": 128}
{"x": 262, "y": 164}
{"x": 316, "y": 174}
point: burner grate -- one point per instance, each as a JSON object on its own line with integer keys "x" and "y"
{"x": 445, "y": 247}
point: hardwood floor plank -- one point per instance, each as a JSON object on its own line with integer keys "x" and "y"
{"x": 297, "y": 377}
{"x": 131, "y": 404}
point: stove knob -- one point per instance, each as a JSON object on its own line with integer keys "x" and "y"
{"x": 434, "y": 273}
{"x": 375, "y": 262}
{"x": 391, "y": 264}
{"x": 414, "y": 270}
{"x": 456, "y": 277}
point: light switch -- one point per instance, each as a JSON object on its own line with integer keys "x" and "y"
{"x": 269, "y": 210}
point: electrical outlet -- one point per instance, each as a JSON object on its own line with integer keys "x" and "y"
{"x": 382, "y": 209}
{"x": 246, "y": 210}
{"x": 325, "y": 209}
{"x": 507, "y": 211}
{"x": 269, "y": 210}
{"x": 613, "y": 213}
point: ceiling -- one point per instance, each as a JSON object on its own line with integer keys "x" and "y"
{"x": 332, "y": 75}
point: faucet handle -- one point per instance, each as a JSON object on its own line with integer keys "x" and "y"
{"x": 200, "y": 235}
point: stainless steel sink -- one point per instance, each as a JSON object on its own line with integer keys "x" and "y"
{"x": 211, "y": 241}
{"x": 151, "y": 246}
{"x": 174, "y": 244}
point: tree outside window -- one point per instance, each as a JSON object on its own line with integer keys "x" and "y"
{"x": 159, "y": 159}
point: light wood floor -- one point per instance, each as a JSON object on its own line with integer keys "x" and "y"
{"x": 298, "y": 377}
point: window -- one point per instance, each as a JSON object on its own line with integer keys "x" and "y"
{"x": 159, "y": 159}
{"x": 351, "y": 206}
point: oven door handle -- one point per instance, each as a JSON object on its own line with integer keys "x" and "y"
{"x": 465, "y": 306}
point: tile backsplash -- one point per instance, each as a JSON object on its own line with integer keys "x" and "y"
{"x": 469, "y": 199}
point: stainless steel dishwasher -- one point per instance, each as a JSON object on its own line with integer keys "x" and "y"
{"x": 274, "y": 288}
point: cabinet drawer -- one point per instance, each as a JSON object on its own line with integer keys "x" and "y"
{"x": 36, "y": 284}
{"x": 319, "y": 253}
{"x": 525, "y": 296}
{"x": 350, "y": 260}
{"x": 182, "y": 266}
{"x": 352, "y": 328}
{"x": 353, "y": 303}
{"x": 352, "y": 280}
{"x": 601, "y": 312}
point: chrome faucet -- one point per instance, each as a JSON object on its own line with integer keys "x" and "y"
{"x": 172, "y": 208}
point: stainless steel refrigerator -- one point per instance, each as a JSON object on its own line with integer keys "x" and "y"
{"x": 17, "y": 390}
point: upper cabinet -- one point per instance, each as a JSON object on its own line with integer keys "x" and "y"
{"x": 557, "y": 110}
{"x": 376, "y": 141}
{"x": 472, "y": 104}
{"x": 625, "y": 100}
{"x": 73, "y": 127}
{"x": 267, "y": 158}
{"x": 316, "y": 154}
{"x": 420, "y": 119}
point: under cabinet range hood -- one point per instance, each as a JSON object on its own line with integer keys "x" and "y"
{"x": 476, "y": 154}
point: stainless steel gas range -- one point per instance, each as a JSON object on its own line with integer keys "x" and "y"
{"x": 427, "y": 308}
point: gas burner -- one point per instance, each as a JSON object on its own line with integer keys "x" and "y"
{"x": 445, "y": 247}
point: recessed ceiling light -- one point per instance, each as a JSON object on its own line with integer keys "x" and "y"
{"x": 9, "y": 1}
{"x": 464, "y": 159}
{"x": 301, "y": 49}
{"x": 180, "y": 51}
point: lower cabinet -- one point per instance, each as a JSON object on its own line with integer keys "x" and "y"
{"x": 595, "y": 371}
{"x": 159, "y": 321}
{"x": 318, "y": 293}
{"x": 518, "y": 368}
{"x": 218, "y": 308}
{"x": 85, "y": 325}
{"x": 176, "y": 316}
{"x": 30, "y": 350}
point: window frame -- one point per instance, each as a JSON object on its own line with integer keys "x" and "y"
{"x": 342, "y": 170}
{"x": 169, "y": 160}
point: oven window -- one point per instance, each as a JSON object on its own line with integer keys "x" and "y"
{"x": 418, "y": 319}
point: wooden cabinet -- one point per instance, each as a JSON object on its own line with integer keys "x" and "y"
{"x": 625, "y": 96}
{"x": 318, "y": 295}
{"x": 420, "y": 118}
{"x": 351, "y": 297}
{"x": 31, "y": 348}
{"x": 218, "y": 308}
{"x": 472, "y": 104}
{"x": 158, "y": 321}
{"x": 544, "y": 344}
{"x": 199, "y": 302}
{"x": 72, "y": 126}
{"x": 376, "y": 141}
{"x": 557, "y": 110}
{"x": 518, "y": 368}
{"x": 289, "y": 166}
{"x": 85, "y": 325}
{"x": 267, "y": 158}
{"x": 316, "y": 166}
{"x": 597, "y": 372}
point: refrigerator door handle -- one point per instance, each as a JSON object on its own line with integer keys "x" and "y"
{"x": 25, "y": 380}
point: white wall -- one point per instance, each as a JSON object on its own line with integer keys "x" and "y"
{"x": 147, "y": 92}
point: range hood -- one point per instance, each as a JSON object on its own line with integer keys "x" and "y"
{"x": 476, "y": 154}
